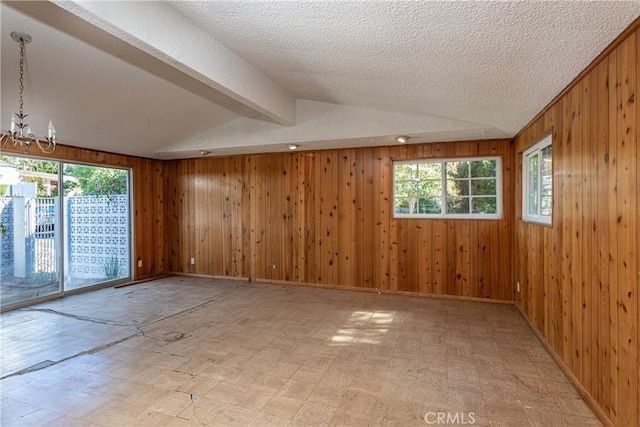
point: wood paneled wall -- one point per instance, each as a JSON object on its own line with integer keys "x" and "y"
{"x": 325, "y": 217}
{"x": 580, "y": 276}
{"x": 148, "y": 203}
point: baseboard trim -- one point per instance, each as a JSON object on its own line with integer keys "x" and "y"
{"x": 207, "y": 276}
{"x": 345, "y": 288}
{"x": 141, "y": 280}
{"x": 383, "y": 291}
{"x": 586, "y": 396}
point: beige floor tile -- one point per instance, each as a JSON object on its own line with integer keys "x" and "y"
{"x": 268, "y": 420}
{"x": 543, "y": 418}
{"x": 225, "y": 392}
{"x": 282, "y": 407}
{"x": 233, "y": 416}
{"x": 505, "y": 415}
{"x": 172, "y": 403}
{"x": 358, "y": 403}
{"x": 315, "y": 413}
{"x": 253, "y": 399}
{"x": 345, "y": 418}
{"x": 115, "y": 413}
{"x": 38, "y": 417}
{"x": 202, "y": 410}
{"x": 327, "y": 394}
{"x": 573, "y": 406}
{"x": 151, "y": 419}
{"x": 296, "y": 389}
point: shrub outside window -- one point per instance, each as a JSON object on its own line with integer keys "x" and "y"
{"x": 448, "y": 188}
{"x": 537, "y": 182}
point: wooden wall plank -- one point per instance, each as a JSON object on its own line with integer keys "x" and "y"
{"x": 612, "y": 217}
{"x": 627, "y": 224}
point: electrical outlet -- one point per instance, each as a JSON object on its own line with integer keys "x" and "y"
{"x": 139, "y": 263}
{"x": 518, "y": 286}
{"x": 273, "y": 267}
{"x": 193, "y": 261}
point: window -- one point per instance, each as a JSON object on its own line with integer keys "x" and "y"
{"x": 451, "y": 188}
{"x": 537, "y": 182}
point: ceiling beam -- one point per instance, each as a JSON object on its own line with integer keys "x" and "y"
{"x": 163, "y": 33}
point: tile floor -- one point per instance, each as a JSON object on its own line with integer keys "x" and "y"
{"x": 191, "y": 351}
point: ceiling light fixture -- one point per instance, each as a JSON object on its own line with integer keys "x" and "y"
{"x": 20, "y": 133}
{"x": 293, "y": 146}
{"x": 402, "y": 139}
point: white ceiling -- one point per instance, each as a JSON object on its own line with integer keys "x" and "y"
{"x": 168, "y": 79}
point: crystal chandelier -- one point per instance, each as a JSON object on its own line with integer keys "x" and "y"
{"x": 20, "y": 133}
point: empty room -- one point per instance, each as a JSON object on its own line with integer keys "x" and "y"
{"x": 319, "y": 213}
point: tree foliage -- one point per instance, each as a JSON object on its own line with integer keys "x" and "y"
{"x": 95, "y": 181}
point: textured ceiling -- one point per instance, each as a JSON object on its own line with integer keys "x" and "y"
{"x": 218, "y": 75}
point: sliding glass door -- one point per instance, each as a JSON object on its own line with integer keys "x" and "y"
{"x": 96, "y": 223}
{"x": 60, "y": 232}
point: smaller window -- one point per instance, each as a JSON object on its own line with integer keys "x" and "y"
{"x": 537, "y": 182}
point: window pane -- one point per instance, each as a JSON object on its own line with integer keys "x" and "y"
{"x": 533, "y": 185}
{"x": 430, "y": 205}
{"x": 457, "y": 170}
{"x": 545, "y": 208}
{"x": 429, "y": 197}
{"x": 546, "y": 178}
{"x": 405, "y": 171}
{"x": 401, "y": 205}
{"x": 405, "y": 189}
{"x": 483, "y": 187}
{"x": 457, "y": 205}
{"x": 485, "y": 205}
{"x": 546, "y": 161}
{"x": 430, "y": 171}
{"x": 429, "y": 189}
{"x": 457, "y": 187}
{"x": 483, "y": 168}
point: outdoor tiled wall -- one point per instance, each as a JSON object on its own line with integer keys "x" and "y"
{"x": 97, "y": 230}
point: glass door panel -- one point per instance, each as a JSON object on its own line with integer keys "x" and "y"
{"x": 96, "y": 225}
{"x": 29, "y": 229}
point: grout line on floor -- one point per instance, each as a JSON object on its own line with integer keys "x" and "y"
{"x": 93, "y": 350}
{"x": 83, "y": 318}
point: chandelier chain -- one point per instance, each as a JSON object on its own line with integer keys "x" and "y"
{"x": 21, "y": 74}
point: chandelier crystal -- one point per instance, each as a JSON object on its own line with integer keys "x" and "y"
{"x": 20, "y": 133}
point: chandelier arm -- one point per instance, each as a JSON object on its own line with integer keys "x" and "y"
{"x": 48, "y": 148}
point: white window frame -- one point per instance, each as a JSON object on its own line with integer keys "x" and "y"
{"x": 443, "y": 195}
{"x": 536, "y": 149}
